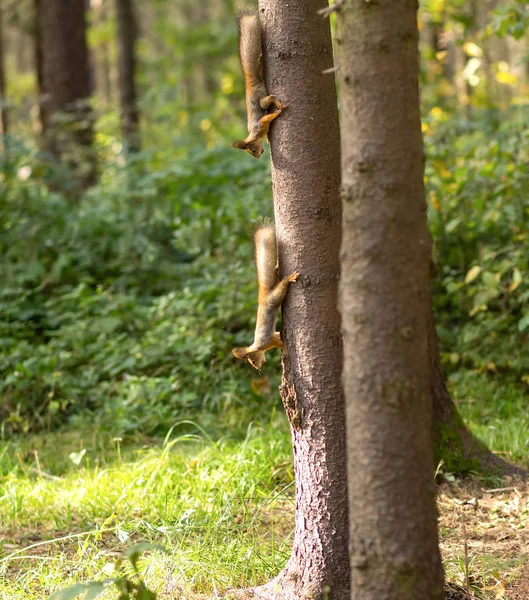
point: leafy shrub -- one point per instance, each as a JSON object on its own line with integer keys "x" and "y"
{"x": 125, "y": 304}
{"x": 478, "y": 185}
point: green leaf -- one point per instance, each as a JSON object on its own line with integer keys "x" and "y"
{"x": 523, "y": 323}
{"x": 93, "y": 589}
{"x": 472, "y": 274}
{"x": 123, "y": 536}
{"x": 144, "y": 593}
{"x": 453, "y": 224}
{"x": 133, "y": 553}
{"x": 77, "y": 457}
{"x": 490, "y": 279}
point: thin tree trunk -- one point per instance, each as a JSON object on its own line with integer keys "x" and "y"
{"x": 305, "y": 143}
{"x": 127, "y": 33}
{"x": 105, "y": 65}
{"x": 4, "y": 125}
{"x": 66, "y": 80}
{"x": 394, "y": 550}
{"x": 39, "y": 69}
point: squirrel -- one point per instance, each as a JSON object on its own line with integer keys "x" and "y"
{"x": 271, "y": 293}
{"x": 258, "y": 101}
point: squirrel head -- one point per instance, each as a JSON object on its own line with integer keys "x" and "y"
{"x": 254, "y": 147}
{"x": 256, "y": 358}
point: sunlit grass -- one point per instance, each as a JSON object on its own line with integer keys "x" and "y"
{"x": 496, "y": 411}
{"x": 221, "y": 508}
{"x": 221, "y": 505}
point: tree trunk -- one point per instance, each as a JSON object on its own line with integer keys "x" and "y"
{"x": 105, "y": 60}
{"x": 4, "y": 126}
{"x": 306, "y": 178}
{"x": 66, "y": 80}
{"x": 459, "y": 450}
{"x": 127, "y": 33}
{"x": 39, "y": 69}
{"x": 384, "y": 302}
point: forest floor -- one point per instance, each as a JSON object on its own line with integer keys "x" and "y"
{"x": 222, "y": 509}
{"x": 484, "y": 534}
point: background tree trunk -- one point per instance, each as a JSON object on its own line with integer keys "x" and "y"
{"x": 306, "y": 180}
{"x": 39, "y": 69}
{"x": 394, "y": 550}
{"x": 127, "y": 34}
{"x": 459, "y": 450}
{"x": 66, "y": 79}
{"x": 3, "y": 110}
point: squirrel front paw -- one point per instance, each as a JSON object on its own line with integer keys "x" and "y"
{"x": 294, "y": 277}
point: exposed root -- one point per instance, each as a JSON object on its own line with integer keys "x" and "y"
{"x": 288, "y": 586}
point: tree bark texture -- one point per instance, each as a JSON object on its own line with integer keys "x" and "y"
{"x": 384, "y": 302}
{"x": 127, "y": 34}
{"x": 66, "y": 80}
{"x": 305, "y": 146}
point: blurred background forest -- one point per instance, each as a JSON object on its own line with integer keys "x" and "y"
{"x": 126, "y": 264}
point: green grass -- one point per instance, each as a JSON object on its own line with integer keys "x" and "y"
{"x": 496, "y": 411}
{"x": 223, "y": 507}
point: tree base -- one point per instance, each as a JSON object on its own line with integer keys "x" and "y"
{"x": 284, "y": 587}
{"x": 290, "y": 585}
{"x": 463, "y": 453}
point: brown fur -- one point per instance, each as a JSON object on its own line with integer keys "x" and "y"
{"x": 258, "y": 102}
{"x": 250, "y": 51}
{"x": 271, "y": 294}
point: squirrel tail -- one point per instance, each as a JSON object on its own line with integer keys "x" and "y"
{"x": 250, "y": 50}
{"x": 266, "y": 256}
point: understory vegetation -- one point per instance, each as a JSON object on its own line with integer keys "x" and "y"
{"x": 122, "y": 308}
{"x": 125, "y": 416}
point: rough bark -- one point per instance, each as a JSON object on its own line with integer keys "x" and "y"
{"x": 384, "y": 302}
{"x": 66, "y": 81}
{"x": 127, "y": 34}
{"x": 306, "y": 177}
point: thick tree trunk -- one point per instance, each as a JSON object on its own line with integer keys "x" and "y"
{"x": 66, "y": 81}
{"x": 127, "y": 33}
{"x": 306, "y": 178}
{"x": 384, "y": 302}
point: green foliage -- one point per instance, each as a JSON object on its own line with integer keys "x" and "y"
{"x": 126, "y": 303}
{"x": 128, "y": 589}
{"x": 495, "y": 409}
{"x": 477, "y": 185}
{"x": 511, "y": 18}
{"x": 223, "y": 509}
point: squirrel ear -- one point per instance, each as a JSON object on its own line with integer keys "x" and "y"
{"x": 239, "y": 353}
{"x": 241, "y": 144}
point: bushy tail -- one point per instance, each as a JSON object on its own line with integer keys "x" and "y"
{"x": 250, "y": 47}
{"x": 266, "y": 256}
